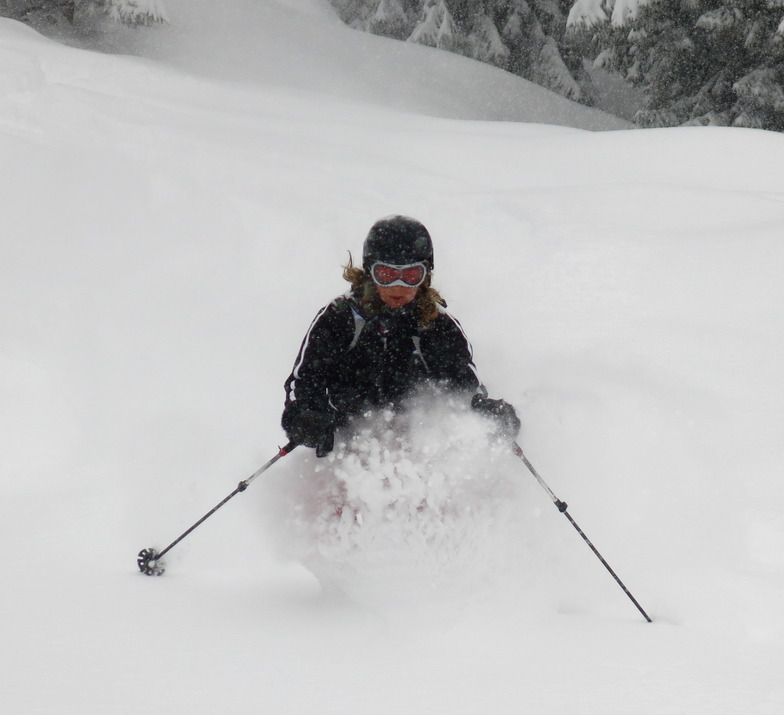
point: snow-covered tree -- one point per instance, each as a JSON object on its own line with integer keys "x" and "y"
{"x": 135, "y": 12}
{"x": 698, "y": 61}
{"x": 539, "y": 53}
{"x": 435, "y": 27}
{"x": 51, "y": 12}
{"x": 522, "y": 36}
{"x": 389, "y": 19}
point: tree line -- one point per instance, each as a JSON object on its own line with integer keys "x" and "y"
{"x": 707, "y": 62}
{"x": 46, "y": 14}
{"x": 698, "y": 62}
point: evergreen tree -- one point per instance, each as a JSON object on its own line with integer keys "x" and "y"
{"x": 703, "y": 62}
{"x": 390, "y": 19}
{"x": 43, "y": 13}
{"x": 134, "y": 12}
{"x": 435, "y": 27}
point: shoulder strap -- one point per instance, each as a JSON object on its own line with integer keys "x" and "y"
{"x": 418, "y": 351}
{"x": 359, "y": 324}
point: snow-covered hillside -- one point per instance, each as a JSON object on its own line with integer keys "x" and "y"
{"x": 172, "y": 223}
{"x": 301, "y": 45}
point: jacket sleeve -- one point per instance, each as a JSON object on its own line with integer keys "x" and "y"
{"x": 452, "y": 357}
{"x": 317, "y": 361}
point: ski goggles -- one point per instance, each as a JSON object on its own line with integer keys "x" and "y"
{"x": 411, "y": 275}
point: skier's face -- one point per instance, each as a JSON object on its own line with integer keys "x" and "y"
{"x": 396, "y": 296}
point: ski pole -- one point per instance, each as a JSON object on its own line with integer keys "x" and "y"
{"x": 562, "y": 507}
{"x": 149, "y": 560}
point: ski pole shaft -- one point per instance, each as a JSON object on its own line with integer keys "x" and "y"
{"x": 241, "y": 487}
{"x": 149, "y": 559}
{"x": 562, "y": 507}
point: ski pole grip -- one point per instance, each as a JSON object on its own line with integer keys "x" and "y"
{"x": 288, "y": 448}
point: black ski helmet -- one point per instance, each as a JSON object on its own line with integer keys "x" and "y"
{"x": 397, "y": 240}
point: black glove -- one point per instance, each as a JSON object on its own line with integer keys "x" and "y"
{"x": 313, "y": 429}
{"x": 501, "y": 411}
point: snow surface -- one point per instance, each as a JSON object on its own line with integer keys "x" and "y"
{"x": 170, "y": 227}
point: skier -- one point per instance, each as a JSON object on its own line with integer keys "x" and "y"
{"x": 380, "y": 341}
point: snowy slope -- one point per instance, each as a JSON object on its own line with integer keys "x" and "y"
{"x": 301, "y": 45}
{"x": 167, "y": 237}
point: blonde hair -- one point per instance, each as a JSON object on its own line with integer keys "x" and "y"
{"x": 427, "y": 300}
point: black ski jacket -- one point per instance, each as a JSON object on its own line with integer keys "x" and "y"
{"x": 350, "y": 361}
